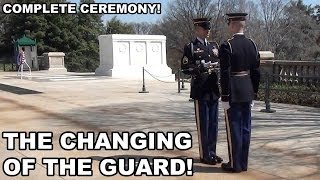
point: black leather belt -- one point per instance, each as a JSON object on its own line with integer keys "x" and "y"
{"x": 240, "y": 73}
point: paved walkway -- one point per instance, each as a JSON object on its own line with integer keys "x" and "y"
{"x": 285, "y": 144}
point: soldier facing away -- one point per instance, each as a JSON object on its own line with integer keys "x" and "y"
{"x": 240, "y": 77}
{"x": 199, "y": 59}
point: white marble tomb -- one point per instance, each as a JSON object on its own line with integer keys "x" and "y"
{"x": 124, "y": 55}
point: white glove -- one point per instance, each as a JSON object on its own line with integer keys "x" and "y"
{"x": 252, "y": 104}
{"x": 215, "y": 52}
{"x": 225, "y": 105}
{"x": 203, "y": 62}
{"x": 214, "y": 64}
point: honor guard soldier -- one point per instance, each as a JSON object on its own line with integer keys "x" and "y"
{"x": 240, "y": 77}
{"x": 199, "y": 60}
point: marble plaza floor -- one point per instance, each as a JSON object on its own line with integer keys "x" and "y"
{"x": 284, "y": 144}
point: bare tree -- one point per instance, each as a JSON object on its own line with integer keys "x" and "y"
{"x": 177, "y": 24}
{"x": 142, "y": 28}
{"x": 178, "y": 27}
{"x": 271, "y": 23}
{"x": 274, "y": 29}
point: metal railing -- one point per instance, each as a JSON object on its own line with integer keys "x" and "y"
{"x": 300, "y": 90}
{"x": 277, "y": 88}
{"x": 158, "y": 78}
{"x": 291, "y": 68}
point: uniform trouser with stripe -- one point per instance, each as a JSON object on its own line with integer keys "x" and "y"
{"x": 207, "y": 126}
{"x": 238, "y": 126}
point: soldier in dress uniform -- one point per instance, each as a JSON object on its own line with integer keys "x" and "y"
{"x": 240, "y": 77}
{"x": 199, "y": 59}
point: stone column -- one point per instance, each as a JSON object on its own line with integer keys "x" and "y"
{"x": 267, "y": 62}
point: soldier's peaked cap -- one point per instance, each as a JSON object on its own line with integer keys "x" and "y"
{"x": 236, "y": 16}
{"x": 203, "y": 22}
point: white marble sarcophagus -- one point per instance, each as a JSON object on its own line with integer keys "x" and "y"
{"x": 124, "y": 56}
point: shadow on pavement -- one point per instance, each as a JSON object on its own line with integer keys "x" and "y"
{"x": 197, "y": 166}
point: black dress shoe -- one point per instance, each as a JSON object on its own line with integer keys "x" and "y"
{"x": 218, "y": 159}
{"x": 210, "y": 161}
{"x": 244, "y": 169}
{"x": 227, "y": 167}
